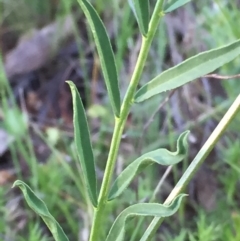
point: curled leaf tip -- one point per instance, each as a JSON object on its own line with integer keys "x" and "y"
{"x": 117, "y": 231}
{"x": 160, "y": 156}
{"x": 16, "y": 183}
{"x": 70, "y": 83}
{"x": 182, "y": 144}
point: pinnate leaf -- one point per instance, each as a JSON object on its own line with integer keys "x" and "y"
{"x": 105, "y": 53}
{"x": 83, "y": 144}
{"x": 160, "y": 156}
{"x": 117, "y": 231}
{"x": 141, "y": 11}
{"x": 175, "y": 4}
{"x": 38, "y": 206}
{"x": 189, "y": 70}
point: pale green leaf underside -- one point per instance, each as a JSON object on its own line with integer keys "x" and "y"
{"x": 141, "y": 12}
{"x": 105, "y": 53}
{"x": 174, "y": 4}
{"x": 189, "y": 70}
{"x": 38, "y": 206}
{"x": 83, "y": 144}
{"x": 117, "y": 231}
{"x": 160, "y": 156}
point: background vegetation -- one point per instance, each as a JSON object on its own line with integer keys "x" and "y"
{"x": 41, "y": 48}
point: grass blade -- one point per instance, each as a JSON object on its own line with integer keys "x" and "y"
{"x": 141, "y": 11}
{"x": 38, "y": 206}
{"x": 175, "y": 4}
{"x": 160, "y": 156}
{"x": 117, "y": 231}
{"x": 105, "y": 53}
{"x": 83, "y": 144}
{"x": 189, "y": 70}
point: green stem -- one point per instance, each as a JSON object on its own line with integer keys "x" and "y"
{"x": 196, "y": 163}
{"x": 120, "y": 122}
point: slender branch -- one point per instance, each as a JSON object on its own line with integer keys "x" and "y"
{"x": 164, "y": 102}
{"x": 162, "y": 180}
{"x": 217, "y": 76}
{"x": 196, "y": 163}
{"x": 151, "y": 119}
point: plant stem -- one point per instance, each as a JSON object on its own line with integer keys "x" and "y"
{"x": 120, "y": 122}
{"x": 196, "y": 163}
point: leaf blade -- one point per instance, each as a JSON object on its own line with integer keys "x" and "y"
{"x": 141, "y": 11}
{"x": 175, "y": 4}
{"x": 160, "y": 156}
{"x": 117, "y": 230}
{"x": 105, "y": 53}
{"x": 83, "y": 144}
{"x": 38, "y": 206}
{"x": 189, "y": 70}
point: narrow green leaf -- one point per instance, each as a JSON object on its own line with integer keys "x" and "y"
{"x": 175, "y": 4}
{"x": 117, "y": 231}
{"x": 83, "y": 144}
{"x": 105, "y": 53}
{"x": 189, "y": 70}
{"x": 160, "y": 156}
{"x": 38, "y": 206}
{"x": 141, "y": 11}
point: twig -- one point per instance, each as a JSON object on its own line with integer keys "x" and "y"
{"x": 151, "y": 119}
{"x": 23, "y": 103}
{"x": 162, "y": 180}
{"x": 217, "y": 76}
